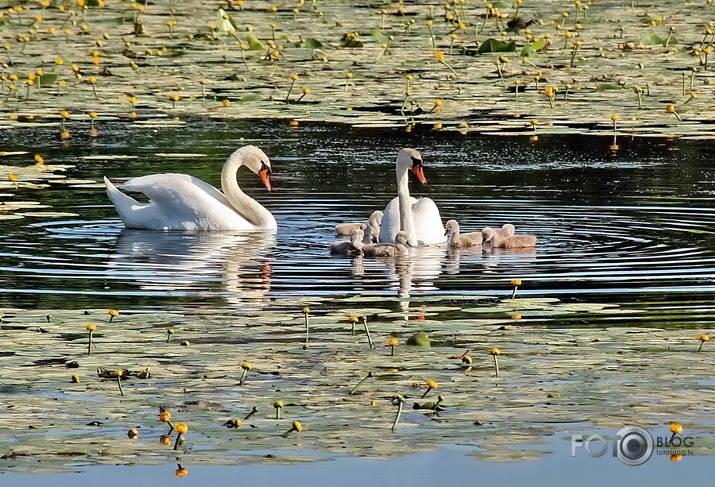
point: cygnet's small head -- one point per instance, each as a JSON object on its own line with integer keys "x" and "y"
{"x": 452, "y": 227}
{"x": 254, "y": 159}
{"x": 488, "y": 234}
{"x": 412, "y": 160}
{"x": 376, "y": 217}
{"x": 356, "y": 237}
{"x": 402, "y": 239}
{"x": 509, "y": 228}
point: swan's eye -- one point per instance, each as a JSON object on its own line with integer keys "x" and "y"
{"x": 264, "y": 167}
{"x": 416, "y": 162}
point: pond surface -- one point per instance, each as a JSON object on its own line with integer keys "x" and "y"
{"x": 423, "y": 469}
{"x": 633, "y": 226}
{"x": 625, "y": 248}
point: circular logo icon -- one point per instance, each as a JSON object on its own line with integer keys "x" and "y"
{"x": 635, "y": 445}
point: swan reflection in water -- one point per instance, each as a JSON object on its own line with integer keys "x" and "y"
{"x": 418, "y": 272}
{"x": 173, "y": 262}
{"x": 407, "y": 275}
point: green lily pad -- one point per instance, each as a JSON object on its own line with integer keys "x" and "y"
{"x": 494, "y": 45}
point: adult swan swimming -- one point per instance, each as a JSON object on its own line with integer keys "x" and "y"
{"x": 183, "y": 202}
{"x": 419, "y": 218}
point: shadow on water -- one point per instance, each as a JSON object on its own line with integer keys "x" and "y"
{"x": 632, "y": 226}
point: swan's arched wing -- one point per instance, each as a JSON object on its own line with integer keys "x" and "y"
{"x": 169, "y": 186}
{"x": 428, "y": 222}
{"x": 183, "y": 202}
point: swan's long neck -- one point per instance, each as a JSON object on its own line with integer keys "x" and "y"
{"x": 407, "y": 220}
{"x": 244, "y": 205}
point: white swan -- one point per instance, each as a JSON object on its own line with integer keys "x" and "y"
{"x": 183, "y": 202}
{"x": 420, "y": 219}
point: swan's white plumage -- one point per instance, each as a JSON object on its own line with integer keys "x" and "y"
{"x": 183, "y": 202}
{"x": 425, "y": 225}
{"x": 428, "y": 222}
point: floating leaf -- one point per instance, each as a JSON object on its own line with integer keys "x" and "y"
{"x": 48, "y": 79}
{"x": 494, "y": 45}
{"x": 650, "y": 39}
{"x": 252, "y": 97}
{"x": 419, "y": 339}
{"x": 310, "y": 43}
{"x": 534, "y": 47}
{"x": 253, "y": 43}
{"x": 379, "y": 36}
{"x": 225, "y": 22}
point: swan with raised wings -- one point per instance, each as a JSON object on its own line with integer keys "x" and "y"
{"x": 419, "y": 218}
{"x": 183, "y": 202}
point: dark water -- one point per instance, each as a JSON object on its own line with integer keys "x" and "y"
{"x": 635, "y": 227}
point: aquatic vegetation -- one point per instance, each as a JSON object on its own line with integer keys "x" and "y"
{"x": 181, "y": 429}
{"x": 165, "y": 417}
{"x": 399, "y": 401}
{"x": 325, "y": 386}
{"x": 306, "y": 312}
{"x": 516, "y": 283}
{"x": 430, "y": 385}
{"x": 90, "y": 329}
{"x": 367, "y": 332}
{"x": 239, "y": 52}
{"x": 495, "y": 352}
{"x": 368, "y": 376}
{"x": 392, "y": 342}
{"x": 118, "y": 374}
{"x": 295, "y": 426}
{"x": 245, "y": 367}
{"x": 703, "y": 339}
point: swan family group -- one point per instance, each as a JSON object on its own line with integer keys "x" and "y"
{"x": 183, "y": 202}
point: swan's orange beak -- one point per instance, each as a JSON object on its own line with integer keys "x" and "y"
{"x": 265, "y": 175}
{"x": 417, "y": 169}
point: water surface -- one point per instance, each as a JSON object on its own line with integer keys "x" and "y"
{"x": 633, "y": 226}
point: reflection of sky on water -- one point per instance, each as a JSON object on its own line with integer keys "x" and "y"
{"x": 448, "y": 465}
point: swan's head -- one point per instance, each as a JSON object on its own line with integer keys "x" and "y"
{"x": 510, "y": 229}
{"x": 254, "y": 159}
{"x": 410, "y": 159}
{"x": 452, "y": 227}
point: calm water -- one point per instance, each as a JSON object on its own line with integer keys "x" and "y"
{"x": 635, "y": 227}
{"x": 451, "y": 464}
